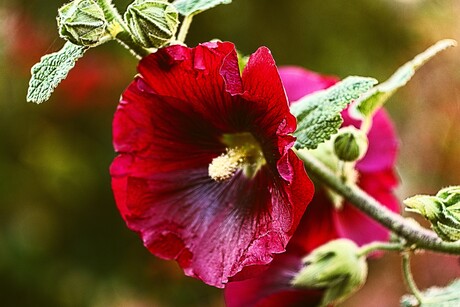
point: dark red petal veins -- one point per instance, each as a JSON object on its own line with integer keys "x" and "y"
{"x": 187, "y": 73}
{"x": 220, "y": 227}
{"x": 263, "y": 87}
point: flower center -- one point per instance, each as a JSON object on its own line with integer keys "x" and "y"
{"x": 243, "y": 152}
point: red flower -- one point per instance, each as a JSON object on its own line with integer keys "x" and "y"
{"x": 205, "y": 173}
{"x": 322, "y": 222}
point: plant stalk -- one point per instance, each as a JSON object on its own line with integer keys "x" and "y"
{"x": 409, "y": 279}
{"x": 184, "y": 28}
{"x": 379, "y": 246}
{"x": 414, "y": 235}
{"x": 123, "y": 36}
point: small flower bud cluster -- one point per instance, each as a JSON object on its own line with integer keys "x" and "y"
{"x": 82, "y": 22}
{"x": 442, "y": 210}
{"x": 152, "y": 23}
{"x": 336, "y": 266}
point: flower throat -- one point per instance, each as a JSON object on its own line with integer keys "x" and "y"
{"x": 243, "y": 152}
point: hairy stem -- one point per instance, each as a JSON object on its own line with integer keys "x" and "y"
{"x": 184, "y": 28}
{"x": 379, "y": 246}
{"x": 123, "y": 37}
{"x": 409, "y": 278}
{"x": 414, "y": 235}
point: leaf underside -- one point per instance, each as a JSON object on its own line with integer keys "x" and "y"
{"x": 51, "y": 70}
{"x": 318, "y": 115}
{"x": 192, "y": 7}
{"x": 436, "y": 297}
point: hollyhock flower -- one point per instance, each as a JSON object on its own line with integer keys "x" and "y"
{"x": 322, "y": 221}
{"x": 205, "y": 173}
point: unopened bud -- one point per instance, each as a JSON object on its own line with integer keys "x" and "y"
{"x": 442, "y": 210}
{"x": 350, "y": 144}
{"x": 82, "y": 22}
{"x": 337, "y": 267}
{"x": 451, "y": 198}
{"x": 153, "y": 23}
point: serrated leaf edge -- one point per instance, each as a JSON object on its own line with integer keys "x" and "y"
{"x": 30, "y": 91}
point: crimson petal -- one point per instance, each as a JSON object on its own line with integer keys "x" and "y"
{"x": 299, "y": 82}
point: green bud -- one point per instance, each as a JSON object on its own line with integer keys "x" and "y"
{"x": 153, "y": 23}
{"x": 350, "y": 144}
{"x": 336, "y": 266}
{"x": 82, "y": 22}
{"x": 442, "y": 210}
{"x": 451, "y": 198}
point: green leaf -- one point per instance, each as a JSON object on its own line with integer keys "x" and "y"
{"x": 318, "y": 115}
{"x": 436, "y": 297}
{"x": 369, "y": 103}
{"x": 51, "y": 70}
{"x": 192, "y": 7}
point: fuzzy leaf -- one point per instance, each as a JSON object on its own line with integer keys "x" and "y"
{"x": 369, "y": 103}
{"x": 192, "y": 7}
{"x": 436, "y": 297}
{"x": 318, "y": 115}
{"x": 51, "y": 70}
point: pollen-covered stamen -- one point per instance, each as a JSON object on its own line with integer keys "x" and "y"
{"x": 224, "y": 166}
{"x": 243, "y": 153}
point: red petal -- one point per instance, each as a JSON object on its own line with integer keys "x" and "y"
{"x": 300, "y": 82}
{"x": 220, "y": 227}
{"x": 357, "y": 226}
{"x": 262, "y": 85}
{"x": 272, "y": 288}
{"x": 316, "y": 227}
{"x": 189, "y": 73}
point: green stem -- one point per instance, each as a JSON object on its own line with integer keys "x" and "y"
{"x": 366, "y": 124}
{"x": 414, "y": 235}
{"x": 184, "y": 28}
{"x": 409, "y": 278}
{"x": 123, "y": 37}
{"x": 378, "y": 246}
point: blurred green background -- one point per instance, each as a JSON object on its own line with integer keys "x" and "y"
{"x": 62, "y": 241}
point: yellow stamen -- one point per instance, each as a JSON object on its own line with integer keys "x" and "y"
{"x": 224, "y": 166}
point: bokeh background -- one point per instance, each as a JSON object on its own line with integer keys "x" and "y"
{"x": 62, "y": 241}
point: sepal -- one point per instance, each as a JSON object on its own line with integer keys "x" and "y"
{"x": 442, "y": 210}
{"x": 152, "y": 23}
{"x": 82, "y": 22}
{"x": 337, "y": 267}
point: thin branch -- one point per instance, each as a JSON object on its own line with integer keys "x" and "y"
{"x": 123, "y": 36}
{"x": 184, "y": 28}
{"x": 409, "y": 278}
{"x": 414, "y": 235}
{"x": 379, "y": 246}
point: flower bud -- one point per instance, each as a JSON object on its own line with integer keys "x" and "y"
{"x": 451, "y": 198}
{"x": 350, "y": 144}
{"x": 82, "y": 22}
{"x": 153, "y": 23}
{"x": 442, "y": 210}
{"x": 337, "y": 267}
